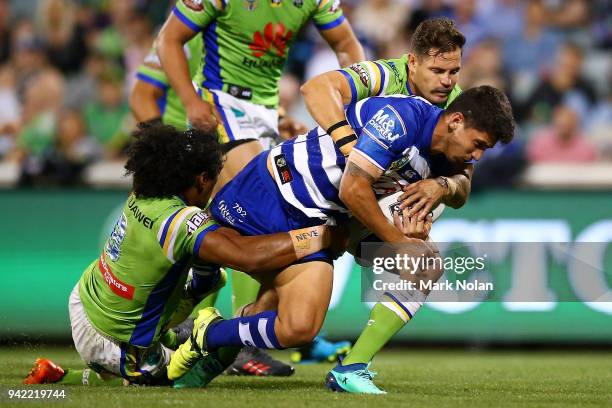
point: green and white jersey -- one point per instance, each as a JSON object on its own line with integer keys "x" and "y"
{"x": 246, "y": 42}
{"x": 170, "y": 105}
{"x": 130, "y": 292}
{"x": 383, "y": 77}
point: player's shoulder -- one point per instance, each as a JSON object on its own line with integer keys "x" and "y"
{"x": 398, "y": 67}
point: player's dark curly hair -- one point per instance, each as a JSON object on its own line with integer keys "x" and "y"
{"x": 436, "y": 36}
{"x": 486, "y": 109}
{"x": 165, "y": 161}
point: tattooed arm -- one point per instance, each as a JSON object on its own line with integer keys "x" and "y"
{"x": 357, "y": 193}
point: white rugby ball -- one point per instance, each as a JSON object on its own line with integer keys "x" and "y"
{"x": 390, "y": 204}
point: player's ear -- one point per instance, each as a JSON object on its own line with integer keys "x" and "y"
{"x": 203, "y": 182}
{"x": 455, "y": 120}
{"x": 412, "y": 62}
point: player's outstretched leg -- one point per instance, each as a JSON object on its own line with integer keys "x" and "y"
{"x": 45, "y": 371}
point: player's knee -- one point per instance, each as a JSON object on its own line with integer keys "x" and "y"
{"x": 299, "y": 330}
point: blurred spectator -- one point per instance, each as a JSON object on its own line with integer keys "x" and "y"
{"x": 10, "y": 112}
{"x": 138, "y": 37}
{"x": 106, "y": 115}
{"x": 469, "y": 23}
{"x": 56, "y": 23}
{"x": 28, "y": 56}
{"x": 561, "y": 142}
{"x": 428, "y": 9}
{"x": 564, "y": 84}
{"x": 71, "y": 152}
{"x": 484, "y": 66}
{"x": 369, "y": 14}
{"x": 40, "y": 114}
{"x": 532, "y": 50}
{"x": 5, "y": 31}
{"x": 503, "y": 19}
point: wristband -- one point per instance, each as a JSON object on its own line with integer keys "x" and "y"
{"x": 346, "y": 140}
{"x": 336, "y": 126}
{"x": 307, "y": 241}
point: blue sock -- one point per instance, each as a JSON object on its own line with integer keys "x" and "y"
{"x": 257, "y": 330}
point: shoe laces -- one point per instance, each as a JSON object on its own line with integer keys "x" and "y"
{"x": 366, "y": 374}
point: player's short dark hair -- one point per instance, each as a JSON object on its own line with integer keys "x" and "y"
{"x": 165, "y": 161}
{"x": 486, "y": 109}
{"x": 436, "y": 36}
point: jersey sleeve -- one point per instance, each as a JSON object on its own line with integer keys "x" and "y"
{"x": 327, "y": 14}
{"x": 152, "y": 73}
{"x": 197, "y": 14}
{"x": 372, "y": 78}
{"x": 385, "y": 136}
{"x": 181, "y": 234}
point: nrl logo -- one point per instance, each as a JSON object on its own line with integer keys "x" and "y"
{"x": 298, "y": 3}
{"x": 276, "y": 3}
{"x": 281, "y": 162}
{"x": 195, "y": 5}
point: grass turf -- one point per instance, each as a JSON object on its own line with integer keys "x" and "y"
{"x": 417, "y": 378}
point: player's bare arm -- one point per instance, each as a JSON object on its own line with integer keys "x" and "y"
{"x": 170, "y": 40}
{"x": 265, "y": 252}
{"x": 424, "y": 195}
{"x": 344, "y": 43}
{"x": 325, "y": 96}
{"x": 143, "y": 101}
{"x": 357, "y": 193}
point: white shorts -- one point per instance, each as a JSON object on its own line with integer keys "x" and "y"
{"x": 243, "y": 119}
{"x": 106, "y": 356}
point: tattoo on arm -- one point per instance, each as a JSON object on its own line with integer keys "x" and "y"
{"x": 356, "y": 171}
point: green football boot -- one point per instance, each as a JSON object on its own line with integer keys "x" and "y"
{"x": 352, "y": 378}
{"x": 191, "y": 350}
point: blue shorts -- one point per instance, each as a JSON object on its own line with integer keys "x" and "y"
{"x": 252, "y": 204}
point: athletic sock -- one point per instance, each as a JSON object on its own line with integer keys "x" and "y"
{"x": 386, "y": 319}
{"x": 245, "y": 290}
{"x": 87, "y": 377}
{"x": 256, "y": 330}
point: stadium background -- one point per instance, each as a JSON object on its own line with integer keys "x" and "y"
{"x": 66, "y": 68}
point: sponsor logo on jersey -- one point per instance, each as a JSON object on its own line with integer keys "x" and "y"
{"x": 387, "y": 123}
{"x": 276, "y": 3}
{"x": 362, "y": 73}
{"x": 394, "y": 69}
{"x": 283, "y": 169}
{"x": 298, "y": 3}
{"x": 195, "y": 5}
{"x": 115, "y": 284}
{"x": 225, "y": 212}
{"x": 274, "y": 39}
{"x": 196, "y": 221}
{"x": 113, "y": 245}
{"x": 138, "y": 214}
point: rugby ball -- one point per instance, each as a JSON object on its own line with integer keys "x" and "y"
{"x": 390, "y": 204}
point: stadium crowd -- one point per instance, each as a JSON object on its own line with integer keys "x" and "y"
{"x": 67, "y": 67}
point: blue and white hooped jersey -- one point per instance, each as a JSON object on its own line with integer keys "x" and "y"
{"x": 394, "y": 133}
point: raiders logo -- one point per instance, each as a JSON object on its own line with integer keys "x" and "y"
{"x": 298, "y": 3}
{"x": 276, "y": 3}
{"x": 363, "y": 74}
{"x": 195, "y": 5}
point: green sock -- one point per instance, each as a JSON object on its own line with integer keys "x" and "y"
{"x": 245, "y": 290}
{"x": 382, "y": 326}
{"x": 87, "y": 377}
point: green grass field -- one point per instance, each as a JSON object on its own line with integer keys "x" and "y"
{"x": 418, "y": 378}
